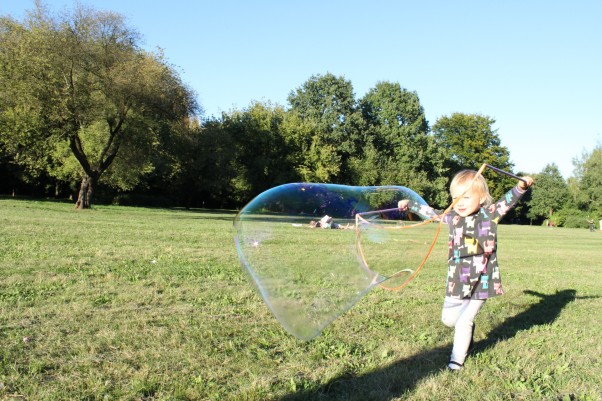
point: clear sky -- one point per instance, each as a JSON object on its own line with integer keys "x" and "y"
{"x": 534, "y": 66}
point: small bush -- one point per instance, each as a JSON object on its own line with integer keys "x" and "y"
{"x": 572, "y": 218}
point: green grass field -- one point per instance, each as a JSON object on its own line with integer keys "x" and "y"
{"x": 119, "y": 303}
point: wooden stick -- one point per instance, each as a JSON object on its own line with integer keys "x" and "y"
{"x": 500, "y": 171}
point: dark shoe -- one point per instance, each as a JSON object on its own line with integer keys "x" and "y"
{"x": 454, "y": 366}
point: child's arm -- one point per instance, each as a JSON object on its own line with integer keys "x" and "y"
{"x": 511, "y": 198}
{"x": 424, "y": 211}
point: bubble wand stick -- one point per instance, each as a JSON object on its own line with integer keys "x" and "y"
{"x": 500, "y": 171}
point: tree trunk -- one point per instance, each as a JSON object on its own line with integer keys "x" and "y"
{"x": 86, "y": 189}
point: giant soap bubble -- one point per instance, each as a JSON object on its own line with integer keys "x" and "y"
{"x": 313, "y": 250}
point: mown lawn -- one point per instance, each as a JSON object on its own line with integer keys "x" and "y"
{"x": 119, "y": 303}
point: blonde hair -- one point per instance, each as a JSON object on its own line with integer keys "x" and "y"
{"x": 478, "y": 184}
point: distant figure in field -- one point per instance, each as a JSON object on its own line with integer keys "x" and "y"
{"x": 326, "y": 222}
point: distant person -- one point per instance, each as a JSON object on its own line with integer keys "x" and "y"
{"x": 473, "y": 274}
{"x": 327, "y": 222}
{"x": 592, "y": 226}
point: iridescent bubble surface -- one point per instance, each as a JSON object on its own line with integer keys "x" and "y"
{"x": 314, "y": 250}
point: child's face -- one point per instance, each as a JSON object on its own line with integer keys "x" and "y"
{"x": 470, "y": 200}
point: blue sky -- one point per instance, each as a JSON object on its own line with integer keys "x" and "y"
{"x": 534, "y": 66}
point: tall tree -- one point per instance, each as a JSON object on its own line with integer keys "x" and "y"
{"x": 81, "y": 82}
{"x": 327, "y": 105}
{"x": 589, "y": 175}
{"x": 310, "y": 156}
{"x": 261, "y": 156}
{"x": 549, "y": 194}
{"x": 470, "y": 141}
{"x": 398, "y": 142}
{"x": 193, "y": 166}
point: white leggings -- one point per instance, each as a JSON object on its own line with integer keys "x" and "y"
{"x": 460, "y": 314}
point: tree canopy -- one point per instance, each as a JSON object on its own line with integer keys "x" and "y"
{"x": 549, "y": 195}
{"x": 589, "y": 175}
{"x": 398, "y": 146}
{"x": 469, "y": 140}
{"x": 326, "y": 104}
{"x": 80, "y": 88}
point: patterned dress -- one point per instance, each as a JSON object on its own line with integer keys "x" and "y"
{"x": 473, "y": 270}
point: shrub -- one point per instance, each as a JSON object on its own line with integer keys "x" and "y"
{"x": 571, "y": 218}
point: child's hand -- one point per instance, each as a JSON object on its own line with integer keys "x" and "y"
{"x": 524, "y": 185}
{"x": 403, "y": 204}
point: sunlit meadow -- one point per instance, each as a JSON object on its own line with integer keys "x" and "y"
{"x": 119, "y": 303}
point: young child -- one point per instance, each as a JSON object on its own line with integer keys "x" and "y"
{"x": 473, "y": 273}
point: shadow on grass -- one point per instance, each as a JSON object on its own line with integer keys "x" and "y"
{"x": 402, "y": 376}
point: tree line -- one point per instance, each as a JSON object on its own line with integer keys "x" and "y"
{"x": 86, "y": 113}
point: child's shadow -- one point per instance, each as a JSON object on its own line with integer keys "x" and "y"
{"x": 403, "y": 375}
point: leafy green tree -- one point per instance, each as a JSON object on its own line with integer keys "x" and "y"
{"x": 573, "y": 184}
{"x": 311, "y": 158}
{"x": 209, "y": 166}
{"x": 261, "y": 153}
{"x": 368, "y": 168}
{"x": 549, "y": 194}
{"x": 192, "y": 168}
{"x": 589, "y": 176}
{"x": 80, "y": 98}
{"x": 326, "y": 105}
{"x": 398, "y": 143}
{"x": 469, "y": 140}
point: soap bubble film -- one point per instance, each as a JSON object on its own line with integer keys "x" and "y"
{"x": 314, "y": 250}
